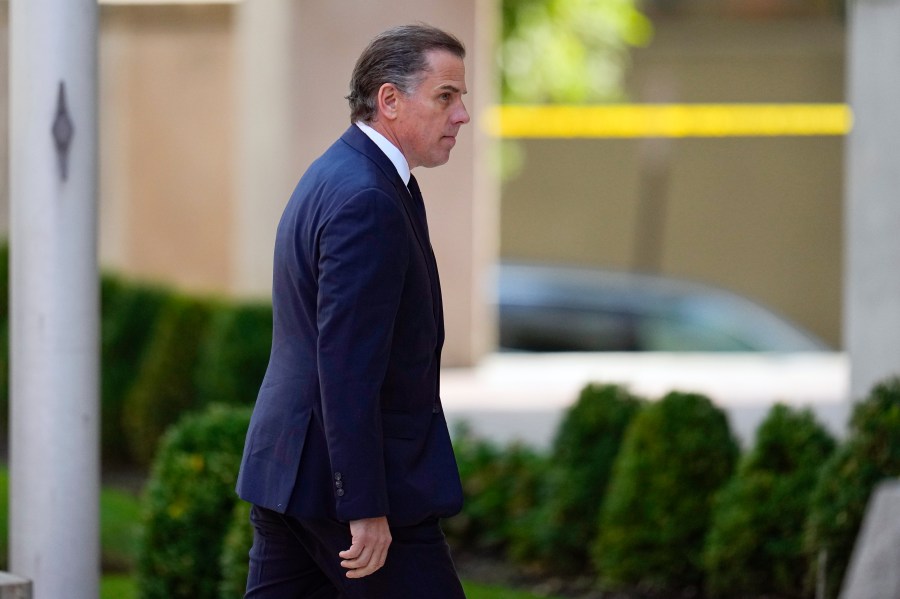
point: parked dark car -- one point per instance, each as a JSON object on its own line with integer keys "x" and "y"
{"x": 547, "y": 308}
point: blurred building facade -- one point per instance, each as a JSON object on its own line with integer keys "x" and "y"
{"x": 210, "y": 112}
{"x": 761, "y": 216}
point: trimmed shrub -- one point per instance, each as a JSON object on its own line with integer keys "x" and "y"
{"x": 676, "y": 454}
{"x": 235, "y": 563}
{"x": 557, "y": 535}
{"x": 164, "y": 388}
{"x": 189, "y": 502}
{"x": 128, "y": 316}
{"x": 499, "y": 487}
{"x": 234, "y": 354}
{"x": 755, "y": 546}
{"x": 870, "y": 455}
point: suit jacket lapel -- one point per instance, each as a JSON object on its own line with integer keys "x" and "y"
{"x": 359, "y": 141}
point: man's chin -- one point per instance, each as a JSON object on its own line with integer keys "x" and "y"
{"x": 437, "y": 161}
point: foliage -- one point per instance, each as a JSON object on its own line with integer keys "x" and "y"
{"x": 483, "y": 591}
{"x": 117, "y": 587}
{"x": 119, "y": 530}
{"x": 499, "y": 487}
{"x": 234, "y": 562}
{"x": 190, "y": 498}
{"x": 676, "y": 454}
{"x": 755, "y": 546}
{"x": 129, "y": 314}
{"x": 165, "y": 388}
{"x": 567, "y": 51}
{"x": 234, "y": 354}
{"x": 870, "y": 455}
{"x": 559, "y": 531}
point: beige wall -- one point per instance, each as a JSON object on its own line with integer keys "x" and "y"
{"x": 760, "y": 216}
{"x": 167, "y": 136}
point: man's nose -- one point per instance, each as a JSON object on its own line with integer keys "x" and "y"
{"x": 462, "y": 115}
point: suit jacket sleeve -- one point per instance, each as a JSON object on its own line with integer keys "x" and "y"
{"x": 363, "y": 255}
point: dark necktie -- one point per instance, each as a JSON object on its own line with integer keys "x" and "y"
{"x": 438, "y": 306}
{"x": 419, "y": 204}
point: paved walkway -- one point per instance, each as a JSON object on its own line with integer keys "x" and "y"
{"x": 522, "y": 397}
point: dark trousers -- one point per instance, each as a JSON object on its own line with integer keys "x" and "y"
{"x": 294, "y": 559}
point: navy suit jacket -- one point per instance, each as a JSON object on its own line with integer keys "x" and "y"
{"x": 348, "y": 421}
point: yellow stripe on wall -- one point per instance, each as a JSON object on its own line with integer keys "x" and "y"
{"x": 669, "y": 120}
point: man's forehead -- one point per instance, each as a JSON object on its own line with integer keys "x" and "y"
{"x": 445, "y": 71}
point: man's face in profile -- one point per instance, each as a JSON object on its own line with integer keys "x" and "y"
{"x": 430, "y": 117}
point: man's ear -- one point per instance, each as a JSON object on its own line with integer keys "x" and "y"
{"x": 388, "y": 99}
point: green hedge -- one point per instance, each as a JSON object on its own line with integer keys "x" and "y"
{"x": 676, "y": 454}
{"x": 870, "y": 455}
{"x": 499, "y": 487}
{"x": 234, "y": 563}
{"x": 162, "y": 354}
{"x": 755, "y": 546}
{"x": 557, "y": 535}
{"x": 129, "y": 314}
{"x": 164, "y": 388}
{"x": 189, "y": 502}
{"x": 234, "y": 354}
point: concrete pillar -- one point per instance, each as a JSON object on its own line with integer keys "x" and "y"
{"x": 873, "y": 571}
{"x": 265, "y": 124}
{"x": 872, "y": 218}
{"x": 54, "y": 450}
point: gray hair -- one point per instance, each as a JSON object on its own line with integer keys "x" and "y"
{"x": 398, "y": 56}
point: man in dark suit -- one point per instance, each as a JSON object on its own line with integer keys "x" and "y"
{"x": 348, "y": 462}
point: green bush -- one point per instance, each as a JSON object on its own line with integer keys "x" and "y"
{"x": 165, "y": 388}
{"x": 189, "y": 502}
{"x": 676, "y": 454}
{"x": 557, "y": 535}
{"x": 870, "y": 455}
{"x": 128, "y": 315}
{"x": 234, "y": 562}
{"x": 235, "y": 353}
{"x": 499, "y": 486}
{"x": 755, "y": 545}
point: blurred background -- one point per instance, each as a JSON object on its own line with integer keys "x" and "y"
{"x": 211, "y": 111}
{"x": 648, "y": 200}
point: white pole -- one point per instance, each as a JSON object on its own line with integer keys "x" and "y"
{"x": 54, "y": 413}
{"x": 871, "y": 283}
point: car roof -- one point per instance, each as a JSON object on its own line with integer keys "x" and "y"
{"x": 536, "y": 287}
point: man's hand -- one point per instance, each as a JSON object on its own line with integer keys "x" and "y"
{"x": 370, "y": 540}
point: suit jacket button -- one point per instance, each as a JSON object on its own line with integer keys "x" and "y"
{"x": 340, "y": 492}
{"x": 338, "y": 484}
{"x": 337, "y": 476}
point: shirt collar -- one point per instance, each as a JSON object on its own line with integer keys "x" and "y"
{"x": 389, "y": 149}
